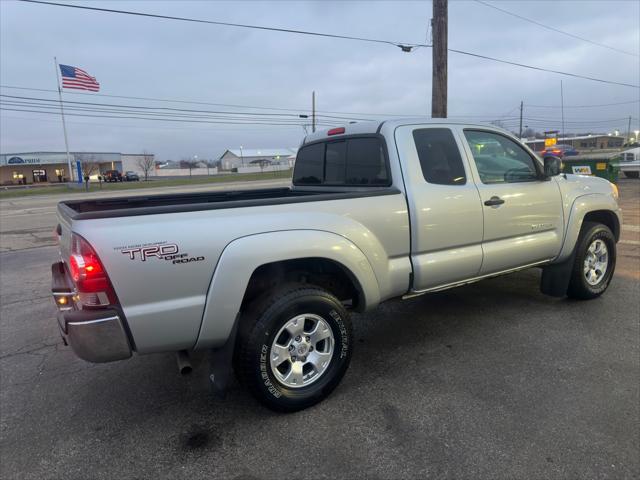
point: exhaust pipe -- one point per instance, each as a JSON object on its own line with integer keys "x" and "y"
{"x": 184, "y": 364}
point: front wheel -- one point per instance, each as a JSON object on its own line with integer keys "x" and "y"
{"x": 595, "y": 262}
{"x": 295, "y": 347}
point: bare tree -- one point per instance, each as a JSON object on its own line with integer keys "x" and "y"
{"x": 89, "y": 166}
{"x": 146, "y": 164}
{"x": 188, "y": 163}
{"x": 210, "y": 164}
{"x": 262, "y": 163}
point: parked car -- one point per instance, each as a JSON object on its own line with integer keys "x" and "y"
{"x": 130, "y": 176}
{"x": 629, "y": 162}
{"x": 559, "y": 151}
{"x": 265, "y": 280}
{"x": 112, "y": 176}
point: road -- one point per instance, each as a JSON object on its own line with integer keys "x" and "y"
{"x": 492, "y": 380}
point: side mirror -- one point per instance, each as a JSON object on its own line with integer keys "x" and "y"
{"x": 552, "y": 166}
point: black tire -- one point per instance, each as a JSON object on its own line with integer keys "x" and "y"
{"x": 632, "y": 174}
{"x": 579, "y": 288}
{"x": 261, "y": 324}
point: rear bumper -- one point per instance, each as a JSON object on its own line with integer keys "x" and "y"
{"x": 94, "y": 335}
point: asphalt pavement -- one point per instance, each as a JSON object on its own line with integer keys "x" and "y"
{"x": 492, "y": 380}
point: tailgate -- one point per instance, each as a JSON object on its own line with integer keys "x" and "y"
{"x": 63, "y": 232}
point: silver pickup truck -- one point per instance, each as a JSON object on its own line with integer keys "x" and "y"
{"x": 263, "y": 280}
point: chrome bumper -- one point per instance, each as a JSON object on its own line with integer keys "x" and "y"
{"x": 94, "y": 335}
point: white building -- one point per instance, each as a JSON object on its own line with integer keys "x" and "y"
{"x": 250, "y": 157}
{"x": 52, "y": 167}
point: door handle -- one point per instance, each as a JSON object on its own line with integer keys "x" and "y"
{"x": 494, "y": 201}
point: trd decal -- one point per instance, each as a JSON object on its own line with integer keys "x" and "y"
{"x": 168, "y": 252}
{"x": 159, "y": 251}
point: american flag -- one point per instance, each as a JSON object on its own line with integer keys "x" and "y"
{"x": 74, "y": 77}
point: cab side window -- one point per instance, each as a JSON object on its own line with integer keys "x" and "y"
{"x": 357, "y": 161}
{"x": 499, "y": 159}
{"x": 439, "y": 156}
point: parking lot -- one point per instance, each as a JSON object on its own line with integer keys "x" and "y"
{"x": 491, "y": 380}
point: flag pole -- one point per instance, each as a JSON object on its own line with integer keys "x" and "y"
{"x": 64, "y": 125}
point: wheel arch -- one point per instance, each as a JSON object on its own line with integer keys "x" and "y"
{"x": 593, "y": 207}
{"x": 324, "y": 272}
{"x": 606, "y": 217}
{"x": 253, "y": 258}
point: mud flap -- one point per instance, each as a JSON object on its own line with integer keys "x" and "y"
{"x": 556, "y": 277}
{"x": 221, "y": 363}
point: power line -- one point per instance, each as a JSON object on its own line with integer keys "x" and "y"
{"x": 407, "y": 47}
{"x": 194, "y": 102}
{"x": 583, "y": 106}
{"x": 557, "y": 30}
{"x": 531, "y": 67}
{"x": 228, "y": 24}
{"x": 296, "y": 110}
{"x": 171, "y": 109}
{"x": 169, "y": 113}
{"x": 148, "y": 127}
{"x": 157, "y": 119}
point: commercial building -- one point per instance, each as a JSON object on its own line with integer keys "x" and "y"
{"x": 584, "y": 142}
{"x": 52, "y": 167}
{"x": 250, "y": 157}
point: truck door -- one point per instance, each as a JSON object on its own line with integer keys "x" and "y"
{"x": 444, "y": 206}
{"x": 523, "y": 219}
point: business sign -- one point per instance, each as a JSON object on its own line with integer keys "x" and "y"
{"x": 55, "y": 158}
{"x": 30, "y": 159}
{"x": 584, "y": 170}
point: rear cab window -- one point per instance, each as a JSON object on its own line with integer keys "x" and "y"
{"x": 349, "y": 161}
{"x": 439, "y": 156}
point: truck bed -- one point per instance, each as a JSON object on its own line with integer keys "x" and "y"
{"x": 187, "y": 202}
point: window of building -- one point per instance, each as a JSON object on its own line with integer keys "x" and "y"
{"x": 499, "y": 159}
{"x": 358, "y": 161}
{"x": 439, "y": 156}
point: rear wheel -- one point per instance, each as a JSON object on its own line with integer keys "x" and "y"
{"x": 595, "y": 262}
{"x": 294, "y": 347}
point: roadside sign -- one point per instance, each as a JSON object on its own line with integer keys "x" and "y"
{"x": 581, "y": 170}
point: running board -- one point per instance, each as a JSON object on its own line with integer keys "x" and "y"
{"x": 417, "y": 293}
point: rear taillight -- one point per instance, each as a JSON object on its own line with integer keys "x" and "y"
{"x": 336, "y": 131}
{"x": 88, "y": 275}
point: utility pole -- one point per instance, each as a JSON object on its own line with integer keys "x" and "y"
{"x": 313, "y": 111}
{"x": 439, "y": 60}
{"x": 521, "y": 105}
{"x": 562, "y": 107}
{"x": 628, "y": 140}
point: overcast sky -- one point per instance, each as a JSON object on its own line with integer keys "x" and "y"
{"x": 145, "y": 57}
